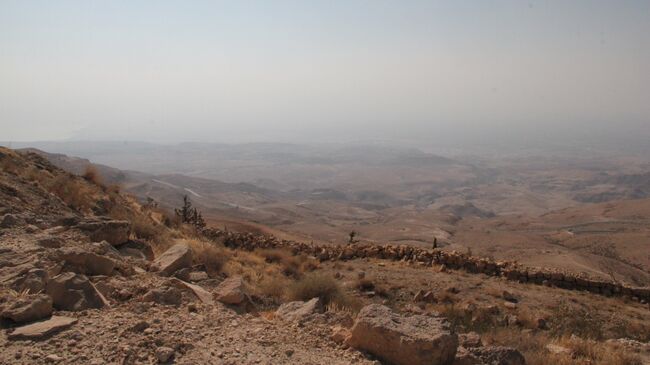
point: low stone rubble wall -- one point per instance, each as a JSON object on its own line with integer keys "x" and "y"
{"x": 451, "y": 260}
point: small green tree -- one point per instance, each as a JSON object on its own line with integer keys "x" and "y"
{"x": 190, "y": 215}
{"x": 184, "y": 212}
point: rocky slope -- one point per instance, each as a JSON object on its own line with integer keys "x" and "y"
{"x": 87, "y": 275}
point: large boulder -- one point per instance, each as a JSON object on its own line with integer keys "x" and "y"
{"x": 295, "y": 311}
{"x": 114, "y": 232}
{"x": 74, "y": 292}
{"x": 177, "y": 257}
{"x": 28, "y": 308}
{"x": 415, "y": 340}
{"x": 86, "y": 262}
{"x": 231, "y": 291}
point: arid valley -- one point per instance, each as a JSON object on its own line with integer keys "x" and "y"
{"x": 585, "y": 215}
{"x": 511, "y": 262}
{"x": 324, "y": 182}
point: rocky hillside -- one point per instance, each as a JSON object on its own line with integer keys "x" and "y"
{"x": 88, "y": 275}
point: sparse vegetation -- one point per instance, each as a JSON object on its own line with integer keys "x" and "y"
{"x": 352, "y": 235}
{"x": 292, "y": 265}
{"x": 569, "y": 320}
{"x": 143, "y": 227}
{"x": 8, "y": 164}
{"x": 91, "y": 174}
{"x": 324, "y": 287}
{"x": 189, "y": 214}
{"x": 273, "y": 287}
{"x": 211, "y": 256}
{"x": 71, "y": 191}
{"x": 365, "y": 284}
{"x": 582, "y": 351}
{"x": 581, "y": 323}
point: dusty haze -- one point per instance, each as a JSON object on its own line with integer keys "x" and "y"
{"x": 523, "y": 73}
{"x": 325, "y": 182}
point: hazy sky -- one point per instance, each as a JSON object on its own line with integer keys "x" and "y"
{"x": 263, "y": 70}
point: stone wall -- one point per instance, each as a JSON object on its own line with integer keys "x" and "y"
{"x": 425, "y": 257}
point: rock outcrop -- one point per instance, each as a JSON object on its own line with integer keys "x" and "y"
{"x": 415, "y": 340}
{"x": 33, "y": 281}
{"x": 85, "y": 262}
{"x": 114, "y": 232}
{"x": 74, "y": 292}
{"x": 137, "y": 249}
{"x": 175, "y": 258}
{"x": 28, "y": 308}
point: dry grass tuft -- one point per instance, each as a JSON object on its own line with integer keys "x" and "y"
{"x": 462, "y": 319}
{"x": 447, "y": 297}
{"x": 8, "y": 162}
{"x": 292, "y": 265}
{"x": 211, "y": 256}
{"x": 273, "y": 255}
{"x": 326, "y": 288}
{"x": 583, "y": 352}
{"x": 309, "y": 265}
{"x": 273, "y": 287}
{"x": 92, "y": 175}
{"x": 113, "y": 189}
{"x": 365, "y": 284}
{"x": 569, "y": 319}
{"x": 18, "y": 294}
{"x": 72, "y": 192}
{"x": 336, "y": 308}
{"x": 247, "y": 264}
{"x": 145, "y": 228}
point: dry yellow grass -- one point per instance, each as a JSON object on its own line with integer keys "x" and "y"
{"x": 365, "y": 284}
{"x": 92, "y": 175}
{"x": 72, "y": 192}
{"x": 582, "y": 352}
{"x": 292, "y": 265}
{"x": 9, "y": 162}
{"x": 273, "y": 287}
{"x": 317, "y": 285}
{"x": 210, "y": 255}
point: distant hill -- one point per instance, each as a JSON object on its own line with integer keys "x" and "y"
{"x": 168, "y": 190}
